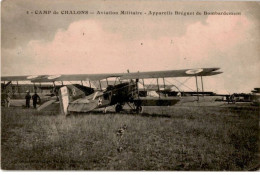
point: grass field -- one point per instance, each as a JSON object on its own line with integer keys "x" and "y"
{"x": 169, "y": 138}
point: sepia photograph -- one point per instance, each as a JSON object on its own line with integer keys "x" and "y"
{"x": 130, "y": 85}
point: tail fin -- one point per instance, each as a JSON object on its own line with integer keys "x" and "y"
{"x": 69, "y": 93}
{"x": 75, "y": 93}
{"x": 64, "y": 100}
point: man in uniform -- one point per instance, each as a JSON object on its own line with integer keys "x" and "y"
{"x": 7, "y": 100}
{"x": 28, "y": 98}
{"x": 35, "y": 97}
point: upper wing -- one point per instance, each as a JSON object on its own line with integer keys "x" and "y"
{"x": 52, "y": 78}
{"x": 76, "y": 77}
{"x": 172, "y": 73}
{"x": 96, "y": 77}
{"x": 14, "y": 78}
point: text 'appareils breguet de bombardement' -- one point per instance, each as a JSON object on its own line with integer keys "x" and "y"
{"x": 133, "y": 13}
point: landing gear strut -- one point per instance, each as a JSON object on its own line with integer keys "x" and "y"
{"x": 139, "y": 109}
{"x": 119, "y": 108}
{"x": 136, "y": 108}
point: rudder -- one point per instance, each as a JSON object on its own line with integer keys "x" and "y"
{"x": 64, "y": 100}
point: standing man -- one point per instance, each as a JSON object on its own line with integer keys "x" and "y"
{"x": 28, "y": 98}
{"x": 7, "y": 99}
{"x": 35, "y": 97}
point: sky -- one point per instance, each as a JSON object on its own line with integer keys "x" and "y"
{"x": 35, "y": 44}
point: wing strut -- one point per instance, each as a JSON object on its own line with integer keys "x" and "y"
{"x": 197, "y": 88}
{"x": 54, "y": 87}
{"x": 89, "y": 83}
{"x": 41, "y": 87}
{"x": 164, "y": 86}
{"x": 202, "y": 86}
{"x": 34, "y": 87}
{"x": 136, "y": 82}
{"x": 158, "y": 88}
{"x": 107, "y": 81}
{"x": 100, "y": 85}
{"x": 11, "y": 87}
{"x": 163, "y": 83}
{"x": 17, "y": 87}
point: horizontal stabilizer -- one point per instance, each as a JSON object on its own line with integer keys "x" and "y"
{"x": 45, "y": 105}
{"x": 83, "y": 107}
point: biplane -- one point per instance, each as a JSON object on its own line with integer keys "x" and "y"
{"x": 128, "y": 89}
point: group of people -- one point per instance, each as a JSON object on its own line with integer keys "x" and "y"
{"x": 6, "y": 97}
{"x": 34, "y": 97}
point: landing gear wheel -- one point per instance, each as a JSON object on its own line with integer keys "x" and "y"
{"x": 139, "y": 109}
{"x": 119, "y": 108}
